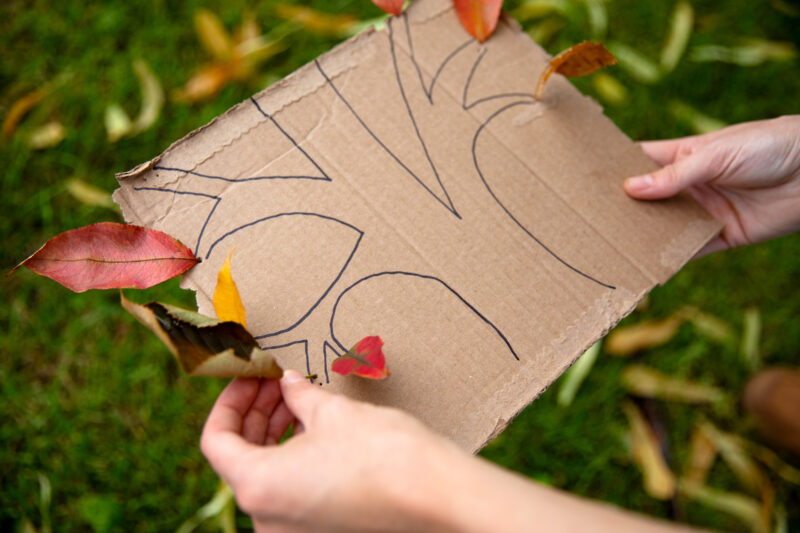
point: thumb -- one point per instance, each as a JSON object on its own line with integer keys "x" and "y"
{"x": 698, "y": 167}
{"x": 300, "y": 396}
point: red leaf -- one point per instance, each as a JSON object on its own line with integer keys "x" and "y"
{"x": 110, "y": 255}
{"x": 365, "y": 359}
{"x": 390, "y": 6}
{"x": 479, "y": 17}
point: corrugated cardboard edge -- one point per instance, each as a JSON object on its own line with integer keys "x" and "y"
{"x": 293, "y": 79}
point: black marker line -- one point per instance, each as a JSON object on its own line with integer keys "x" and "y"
{"x": 377, "y": 139}
{"x": 328, "y": 290}
{"x": 276, "y": 347}
{"x": 429, "y": 90}
{"x": 216, "y": 199}
{"x": 423, "y": 276}
{"x": 496, "y": 199}
{"x": 469, "y": 78}
{"x": 496, "y": 96}
{"x": 304, "y": 342}
{"x": 325, "y": 347}
{"x": 413, "y": 120}
{"x": 241, "y": 180}
{"x": 286, "y": 134}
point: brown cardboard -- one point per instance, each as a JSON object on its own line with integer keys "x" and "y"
{"x": 406, "y": 185}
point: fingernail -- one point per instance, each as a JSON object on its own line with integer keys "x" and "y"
{"x": 639, "y": 183}
{"x": 292, "y": 376}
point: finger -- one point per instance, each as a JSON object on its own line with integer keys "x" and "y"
{"x": 699, "y": 167}
{"x": 301, "y": 397}
{"x": 221, "y": 441}
{"x": 716, "y": 245}
{"x": 279, "y": 422}
{"x": 256, "y": 421}
{"x": 663, "y": 152}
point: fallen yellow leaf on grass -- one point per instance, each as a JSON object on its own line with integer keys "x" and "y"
{"x": 659, "y": 481}
{"x": 641, "y": 380}
{"x": 648, "y": 334}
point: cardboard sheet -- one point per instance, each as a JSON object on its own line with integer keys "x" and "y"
{"x": 407, "y": 185}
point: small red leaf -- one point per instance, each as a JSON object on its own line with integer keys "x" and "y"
{"x": 479, "y": 17}
{"x": 365, "y": 359}
{"x": 109, "y": 255}
{"x": 394, "y": 7}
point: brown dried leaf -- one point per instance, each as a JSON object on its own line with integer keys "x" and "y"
{"x": 205, "y": 346}
{"x": 576, "y": 61}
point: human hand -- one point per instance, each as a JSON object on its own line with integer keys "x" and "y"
{"x": 747, "y": 176}
{"x": 350, "y": 466}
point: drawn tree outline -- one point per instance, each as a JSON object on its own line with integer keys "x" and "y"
{"x": 331, "y": 346}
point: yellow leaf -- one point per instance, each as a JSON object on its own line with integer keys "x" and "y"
{"x": 702, "y": 453}
{"x": 89, "y": 194}
{"x": 152, "y": 97}
{"x": 659, "y": 481}
{"x": 647, "y": 334}
{"x": 641, "y": 380}
{"x": 227, "y": 302}
{"x": 118, "y": 124}
{"x": 212, "y": 35}
{"x": 745, "y": 508}
{"x": 47, "y": 136}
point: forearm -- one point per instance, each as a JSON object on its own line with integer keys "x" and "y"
{"x": 473, "y": 495}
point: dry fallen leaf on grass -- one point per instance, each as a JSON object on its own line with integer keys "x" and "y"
{"x": 628, "y": 340}
{"x": 576, "y": 61}
{"x": 325, "y": 24}
{"x": 109, "y": 255}
{"x": 233, "y": 59}
{"x": 89, "y": 194}
{"x": 646, "y": 382}
{"x": 659, "y": 481}
{"x": 19, "y": 109}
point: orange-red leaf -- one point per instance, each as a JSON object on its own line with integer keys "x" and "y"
{"x": 110, "y": 255}
{"x": 365, "y": 359}
{"x": 479, "y": 17}
{"x": 395, "y": 7}
{"x": 576, "y": 61}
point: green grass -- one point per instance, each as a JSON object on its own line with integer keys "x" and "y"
{"x": 93, "y": 402}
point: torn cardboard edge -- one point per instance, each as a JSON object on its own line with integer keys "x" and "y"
{"x": 489, "y": 252}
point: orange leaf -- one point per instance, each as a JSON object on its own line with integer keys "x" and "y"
{"x": 18, "y": 110}
{"x": 365, "y": 359}
{"x": 479, "y": 17}
{"x": 394, "y": 7}
{"x": 576, "y": 61}
{"x": 110, "y": 255}
{"x": 205, "y": 83}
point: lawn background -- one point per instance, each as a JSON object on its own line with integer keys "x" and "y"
{"x": 92, "y": 402}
